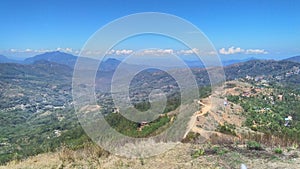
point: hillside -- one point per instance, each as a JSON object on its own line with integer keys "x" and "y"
{"x": 56, "y": 57}
{"x": 70, "y": 60}
{"x": 259, "y": 68}
{"x": 179, "y": 157}
{"x": 294, "y": 59}
{"x": 223, "y": 150}
{"x": 285, "y": 73}
{"x": 37, "y": 107}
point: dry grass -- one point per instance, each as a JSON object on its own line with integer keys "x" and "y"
{"x": 92, "y": 156}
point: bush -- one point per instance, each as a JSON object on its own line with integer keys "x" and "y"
{"x": 198, "y": 153}
{"x": 227, "y": 129}
{"x": 234, "y": 99}
{"x": 191, "y": 137}
{"x": 220, "y": 151}
{"x": 253, "y": 145}
{"x": 278, "y": 150}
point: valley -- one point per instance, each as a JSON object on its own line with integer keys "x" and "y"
{"x": 37, "y": 114}
{"x": 218, "y": 137}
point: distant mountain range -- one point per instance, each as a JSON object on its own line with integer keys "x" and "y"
{"x": 4, "y": 59}
{"x": 56, "y": 57}
{"x": 294, "y": 59}
{"x": 70, "y": 60}
{"x": 259, "y": 68}
{"x": 58, "y": 63}
{"x": 50, "y": 83}
{"x": 111, "y": 64}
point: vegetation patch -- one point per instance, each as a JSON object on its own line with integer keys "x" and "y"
{"x": 275, "y": 111}
{"x": 278, "y": 150}
{"x": 131, "y": 128}
{"x": 191, "y": 137}
{"x": 227, "y": 128}
{"x": 198, "y": 153}
{"x": 253, "y": 145}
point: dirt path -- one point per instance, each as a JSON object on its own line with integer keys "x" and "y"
{"x": 191, "y": 125}
{"x": 213, "y": 112}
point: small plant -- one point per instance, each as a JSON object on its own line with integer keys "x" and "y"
{"x": 222, "y": 152}
{"x": 236, "y": 143}
{"x": 253, "y": 145}
{"x": 219, "y": 151}
{"x": 191, "y": 137}
{"x": 278, "y": 150}
{"x": 227, "y": 129}
{"x": 198, "y": 153}
{"x": 215, "y": 148}
{"x": 142, "y": 161}
{"x": 66, "y": 155}
{"x": 94, "y": 151}
{"x": 295, "y": 146}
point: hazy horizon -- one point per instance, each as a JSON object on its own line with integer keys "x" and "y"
{"x": 238, "y": 30}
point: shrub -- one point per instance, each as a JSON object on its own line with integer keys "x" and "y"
{"x": 230, "y": 85}
{"x": 66, "y": 155}
{"x": 220, "y": 151}
{"x": 278, "y": 150}
{"x": 191, "y": 137}
{"x": 227, "y": 129}
{"x": 234, "y": 99}
{"x": 198, "y": 153}
{"x": 253, "y": 145}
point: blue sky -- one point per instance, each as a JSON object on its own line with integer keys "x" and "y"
{"x": 238, "y": 29}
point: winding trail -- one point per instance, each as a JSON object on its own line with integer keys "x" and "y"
{"x": 191, "y": 125}
{"x": 212, "y": 113}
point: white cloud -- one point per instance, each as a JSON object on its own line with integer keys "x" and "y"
{"x": 152, "y": 52}
{"x": 77, "y": 52}
{"x": 123, "y": 52}
{"x": 256, "y": 51}
{"x": 69, "y": 50}
{"x": 42, "y": 50}
{"x": 111, "y": 52}
{"x": 188, "y": 52}
{"x": 117, "y": 52}
{"x": 28, "y": 50}
{"x": 238, "y": 50}
{"x": 20, "y": 50}
{"x": 120, "y": 52}
{"x": 212, "y": 53}
{"x": 39, "y": 51}
{"x": 90, "y": 52}
{"x": 231, "y": 50}
{"x": 156, "y": 52}
{"x": 12, "y": 50}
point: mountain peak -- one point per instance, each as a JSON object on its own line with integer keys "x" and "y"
{"x": 55, "y": 56}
